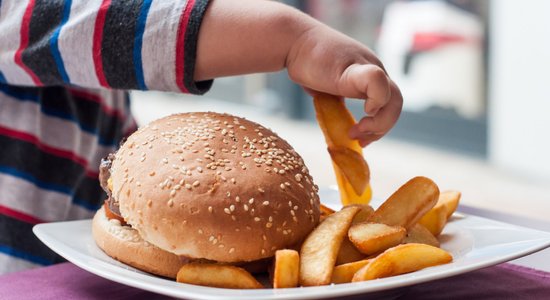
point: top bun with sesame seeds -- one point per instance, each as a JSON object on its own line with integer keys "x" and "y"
{"x": 214, "y": 186}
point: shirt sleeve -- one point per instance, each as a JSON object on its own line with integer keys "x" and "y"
{"x": 113, "y": 44}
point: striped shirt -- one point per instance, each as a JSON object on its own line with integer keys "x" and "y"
{"x": 64, "y": 69}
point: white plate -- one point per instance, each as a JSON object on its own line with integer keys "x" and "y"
{"x": 474, "y": 243}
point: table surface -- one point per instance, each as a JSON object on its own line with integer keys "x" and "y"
{"x": 67, "y": 281}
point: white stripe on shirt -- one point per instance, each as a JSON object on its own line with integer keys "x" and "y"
{"x": 159, "y": 45}
{"x": 25, "y": 116}
{"x": 76, "y": 43}
{"x": 21, "y": 195}
{"x": 11, "y": 18}
{"x": 13, "y": 264}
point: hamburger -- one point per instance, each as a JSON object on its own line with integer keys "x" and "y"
{"x": 203, "y": 186}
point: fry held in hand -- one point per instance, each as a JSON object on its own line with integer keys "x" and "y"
{"x": 213, "y": 275}
{"x": 402, "y": 259}
{"x": 371, "y": 238}
{"x": 353, "y": 166}
{"x": 286, "y": 270}
{"x": 335, "y": 121}
{"x": 408, "y": 204}
{"x": 320, "y": 248}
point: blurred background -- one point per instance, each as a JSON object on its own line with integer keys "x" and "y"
{"x": 476, "y": 116}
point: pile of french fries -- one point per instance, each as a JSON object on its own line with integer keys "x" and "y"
{"x": 356, "y": 243}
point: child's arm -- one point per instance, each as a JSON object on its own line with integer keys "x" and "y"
{"x": 247, "y": 36}
{"x": 111, "y": 44}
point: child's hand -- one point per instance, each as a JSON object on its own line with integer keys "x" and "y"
{"x": 249, "y": 36}
{"x": 327, "y": 61}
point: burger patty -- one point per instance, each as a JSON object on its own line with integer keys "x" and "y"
{"x": 104, "y": 175}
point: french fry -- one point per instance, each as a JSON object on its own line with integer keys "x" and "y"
{"x": 286, "y": 270}
{"x": 348, "y": 253}
{"x": 214, "y": 275}
{"x": 402, "y": 259}
{"x": 371, "y": 238}
{"x": 325, "y": 211}
{"x": 408, "y": 204}
{"x": 420, "y": 235}
{"x": 353, "y": 166}
{"x": 435, "y": 219}
{"x": 320, "y": 248}
{"x": 364, "y": 214}
{"x": 344, "y": 273}
{"x": 335, "y": 121}
{"x": 450, "y": 200}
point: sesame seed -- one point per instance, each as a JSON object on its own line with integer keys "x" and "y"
{"x": 245, "y": 207}
{"x": 210, "y": 209}
{"x": 295, "y": 207}
{"x": 292, "y": 213}
{"x": 232, "y": 207}
{"x": 251, "y": 200}
{"x": 237, "y": 199}
{"x": 170, "y": 203}
{"x": 287, "y": 183}
{"x": 282, "y": 186}
{"x": 149, "y": 203}
{"x": 264, "y": 237}
{"x": 263, "y": 251}
{"x": 172, "y": 193}
{"x": 265, "y": 203}
{"x": 200, "y": 231}
{"x": 256, "y": 219}
{"x": 261, "y": 190}
{"x": 215, "y": 241}
{"x": 196, "y": 183}
{"x": 231, "y": 250}
{"x": 227, "y": 211}
{"x": 270, "y": 219}
{"x": 164, "y": 160}
{"x": 268, "y": 225}
{"x": 188, "y": 186}
{"x": 152, "y": 173}
{"x": 233, "y": 181}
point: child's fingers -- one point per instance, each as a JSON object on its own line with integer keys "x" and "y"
{"x": 366, "y": 81}
{"x": 371, "y": 128}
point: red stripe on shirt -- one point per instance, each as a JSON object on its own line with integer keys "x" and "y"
{"x": 25, "y": 42}
{"x": 180, "y": 45}
{"x": 98, "y": 37}
{"x": 23, "y": 136}
{"x": 97, "y": 99}
{"x": 19, "y": 215}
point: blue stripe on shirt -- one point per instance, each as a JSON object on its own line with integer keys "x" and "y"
{"x": 138, "y": 43}
{"x": 2, "y": 78}
{"x": 24, "y": 255}
{"x": 33, "y": 97}
{"x": 47, "y": 186}
{"x": 54, "y": 42}
{"x": 39, "y": 183}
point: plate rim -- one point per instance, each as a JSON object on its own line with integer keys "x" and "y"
{"x": 200, "y": 292}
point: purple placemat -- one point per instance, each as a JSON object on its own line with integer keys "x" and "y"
{"x": 66, "y": 281}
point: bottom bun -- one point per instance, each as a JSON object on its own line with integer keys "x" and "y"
{"x": 125, "y": 245}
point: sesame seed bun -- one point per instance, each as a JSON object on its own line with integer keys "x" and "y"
{"x": 214, "y": 186}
